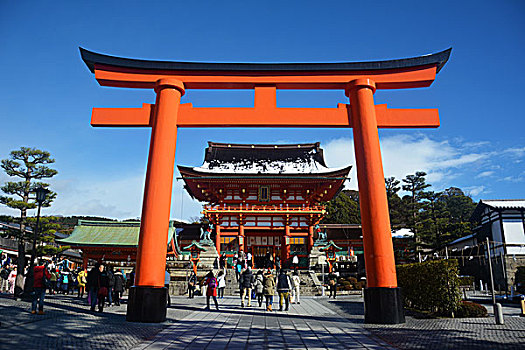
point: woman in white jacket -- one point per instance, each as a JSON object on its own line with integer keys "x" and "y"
{"x": 221, "y": 281}
{"x": 295, "y": 288}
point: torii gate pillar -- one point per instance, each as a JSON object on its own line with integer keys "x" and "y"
{"x": 147, "y": 298}
{"x": 381, "y": 287}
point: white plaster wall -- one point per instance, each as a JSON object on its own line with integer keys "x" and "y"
{"x": 513, "y": 229}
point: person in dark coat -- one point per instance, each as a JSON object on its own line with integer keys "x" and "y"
{"x": 92, "y": 285}
{"x": 103, "y": 287}
{"x": 118, "y": 288}
{"x": 284, "y": 285}
{"x": 332, "y": 285}
{"x": 111, "y": 279}
{"x": 245, "y": 284}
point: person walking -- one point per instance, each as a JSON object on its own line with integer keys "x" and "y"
{"x": 4, "y": 275}
{"x": 222, "y": 262}
{"x": 211, "y": 290}
{"x": 269, "y": 289}
{"x": 103, "y": 287}
{"x": 238, "y": 269}
{"x": 111, "y": 279}
{"x": 296, "y": 281}
{"x": 284, "y": 284}
{"x": 267, "y": 258}
{"x": 246, "y": 286}
{"x": 332, "y": 285}
{"x": 41, "y": 276}
{"x": 81, "y": 278}
{"x": 249, "y": 261}
{"x": 53, "y": 280}
{"x": 92, "y": 285}
{"x": 118, "y": 289}
{"x": 65, "y": 281}
{"x": 295, "y": 262}
{"x": 259, "y": 287}
{"x": 221, "y": 282}
{"x": 191, "y": 285}
{"x": 11, "y": 280}
{"x": 167, "y": 279}
{"x": 278, "y": 265}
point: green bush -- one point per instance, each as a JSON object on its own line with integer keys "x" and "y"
{"x": 431, "y": 286}
{"x": 470, "y": 309}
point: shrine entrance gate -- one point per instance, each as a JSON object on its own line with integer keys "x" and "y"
{"x": 359, "y": 80}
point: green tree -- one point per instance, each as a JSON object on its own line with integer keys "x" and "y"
{"x": 395, "y": 204}
{"x": 415, "y": 185}
{"x": 343, "y": 209}
{"x": 49, "y": 226}
{"x": 459, "y": 210}
{"x": 29, "y": 165}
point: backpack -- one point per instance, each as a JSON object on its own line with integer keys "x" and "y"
{"x": 5, "y": 273}
{"x": 212, "y": 283}
{"x": 45, "y": 281}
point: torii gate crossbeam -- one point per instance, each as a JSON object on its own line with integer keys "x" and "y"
{"x": 359, "y": 80}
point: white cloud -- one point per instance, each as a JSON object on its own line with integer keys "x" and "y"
{"x": 518, "y": 152}
{"x": 405, "y": 154}
{"x": 474, "y": 191}
{"x": 485, "y": 174}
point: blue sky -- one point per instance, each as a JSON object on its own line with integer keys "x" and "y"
{"x": 47, "y": 93}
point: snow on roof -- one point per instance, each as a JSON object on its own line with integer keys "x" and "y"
{"x": 505, "y": 203}
{"x": 266, "y": 166}
{"x": 402, "y": 233}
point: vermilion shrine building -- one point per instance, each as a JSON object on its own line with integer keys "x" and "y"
{"x": 264, "y": 198}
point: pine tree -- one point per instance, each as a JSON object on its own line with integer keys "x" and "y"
{"x": 343, "y": 209}
{"x": 415, "y": 185}
{"x": 28, "y": 164}
{"x": 395, "y": 208}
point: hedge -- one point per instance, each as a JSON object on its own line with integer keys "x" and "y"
{"x": 431, "y": 286}
{"x": 470, "y": 309}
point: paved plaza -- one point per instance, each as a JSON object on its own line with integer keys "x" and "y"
{"x": 316, "y": 323}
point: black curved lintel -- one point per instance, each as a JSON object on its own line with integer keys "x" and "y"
{"x": 91, "y": 58}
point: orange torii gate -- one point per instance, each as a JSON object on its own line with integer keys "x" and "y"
{"x": 359, "y": 80}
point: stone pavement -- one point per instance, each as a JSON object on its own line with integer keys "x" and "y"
{"x": 68, "y": 324}
{"x": 316, "y": 323}
{"x": 308, "y": 325}
{"x": 443, "y": 333}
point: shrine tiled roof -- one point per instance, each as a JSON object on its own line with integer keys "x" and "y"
{"x": 264, "y": 159}
{"x": 106, "y": 233}
{"x": 497, "y": 205}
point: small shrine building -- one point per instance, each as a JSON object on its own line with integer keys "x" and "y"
{"x": 264, "y": 198}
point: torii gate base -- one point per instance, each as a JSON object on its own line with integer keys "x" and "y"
{"x": 147, "y": 302}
